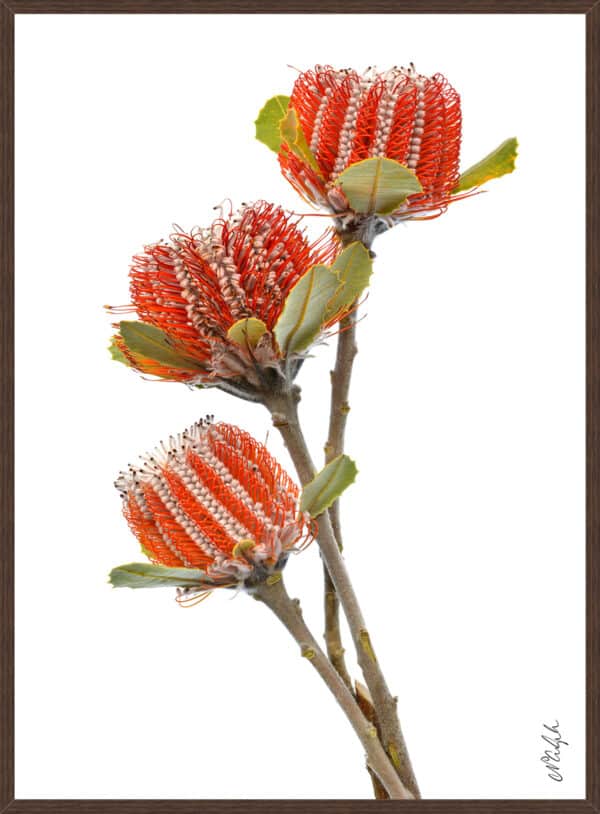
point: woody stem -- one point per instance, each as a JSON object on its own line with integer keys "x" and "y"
{"x": 288, "y": 611}
{"x": 334, "y": 446}
{"x": 338, "y": 413}
{"x": 284, "y": 411}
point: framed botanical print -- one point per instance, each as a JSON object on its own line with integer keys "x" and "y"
{"x": 315, "y": 288}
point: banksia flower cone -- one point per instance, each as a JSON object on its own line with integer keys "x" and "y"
{"x": 347, "y": 117}
{"x": 209, "y": 301}
{"x": 215, "y": 502}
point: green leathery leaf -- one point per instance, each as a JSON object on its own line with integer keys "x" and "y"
{"x": 152, "y": 343}
{"x": 247, "y": 331}
{"x": 304, "y": 309}
{"x": 377, "y": 185}
{"x": 116, "y": 352}
{"x": 146, "y": 575}
{"x": 353, "y": 267}
{"x": 268, "y": 120}
{"x": 328, "y": 485}
{"x": 499, "y": 162}
{"x": 293, "y": 135}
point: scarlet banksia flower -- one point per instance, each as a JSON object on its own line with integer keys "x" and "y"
{"x": 210, "y": 302}
{"x": 399, "y": 114}
{"x": 375, "y": 148}
{"x": 214, "y": 508}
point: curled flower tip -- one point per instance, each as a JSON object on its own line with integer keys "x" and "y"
{"x": 208, "y": 301}
{"x": 213, "y": 508}
{"x": 397, "y": 115}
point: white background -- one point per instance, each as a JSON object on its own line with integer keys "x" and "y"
{"x": 465, "y": 529}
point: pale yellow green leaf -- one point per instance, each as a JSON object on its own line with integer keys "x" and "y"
{"x": 116, "y": 353}
{"x": 152, "y": 343}
{"x": 268, "y": 120}
{"x": 377, "y": 185}
{"x": 353, "y": 267}
{"x": 499, "y": 162}
{"x": 293, "y": 135}
{"x": 328, "y": 485}
{"x": 146, "y": 575}
{"x": 247, "y": 331}
{"x": 304, "y": 309}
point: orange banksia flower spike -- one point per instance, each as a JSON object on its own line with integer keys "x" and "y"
{"x": 196, "y": 286}
{"x": 212, "y": 303}
{"x": 375, "y": 148}
{"x": 214, "y": 508}
{"x": 399, "y": 114}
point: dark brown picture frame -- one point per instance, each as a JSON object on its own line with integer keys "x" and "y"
{"x": 591, "y": 10}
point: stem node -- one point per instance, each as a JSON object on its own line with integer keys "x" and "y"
{"x": 279, "y": 420}
{"x": 365, "y": 643}
{"x": 337, "y": 581}
{"x": 276, "y": 598}
{"x": 393, "y": 753}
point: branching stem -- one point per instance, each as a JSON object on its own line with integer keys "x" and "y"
{"x": 284, "y": 410}
{"x": 288, "y": 612}
{"x": 334, "y": 446}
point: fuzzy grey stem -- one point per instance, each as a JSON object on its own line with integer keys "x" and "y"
{"x": 340, "y": 388}
{"x": 334, "y": 446}
{"x": 338, "y": 414}
{"x": 333, "y": 633}
{"x": 284, "y": 409}
{"x": 288, "y": 612}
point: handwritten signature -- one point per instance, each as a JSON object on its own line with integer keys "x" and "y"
{"x": 551, "y": 757}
